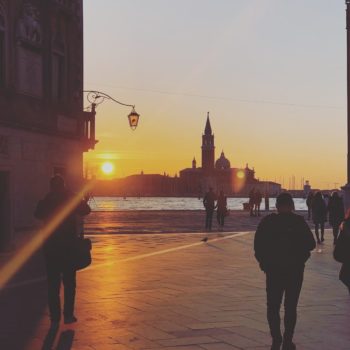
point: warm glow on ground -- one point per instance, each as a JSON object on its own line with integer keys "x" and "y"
{"x": 107, "y": 168}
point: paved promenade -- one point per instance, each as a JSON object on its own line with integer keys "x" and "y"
{"x": 175, "y": 292}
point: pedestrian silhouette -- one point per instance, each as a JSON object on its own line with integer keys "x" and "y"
{"x": 309, "y": 198}
{"x": 319, "y": 215}
{"x": 342, "y": 251}
{"x": 209, "y": 205}
{"x": 59, "y": 249}
{"x": 336, "y": 214}
{"x": 221, "y": 209}
{"x": 257, "y": 202}
{"x": 251, "y": 201}
{"x": 282, "y": 245}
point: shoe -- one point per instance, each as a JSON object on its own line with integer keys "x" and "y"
{"x": 205, "y": 239}
{"x": 288, "y": 346}
{"x": 276, "y": 345}
{"x": 69, "y": 320}
{"x": 322, "y": 239}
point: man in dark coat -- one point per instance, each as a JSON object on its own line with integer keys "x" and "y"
{"x": 319, "y": 215}
{"x": 282, "y": 245}
{"x": 209, "y": 205}
{"x": 59, "y": 248}
{"x": 336, "y": 214}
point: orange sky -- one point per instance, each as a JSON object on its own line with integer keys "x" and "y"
{"x": 276, "y": 93}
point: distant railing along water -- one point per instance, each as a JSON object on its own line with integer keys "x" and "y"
{"x": 172, "y": 203}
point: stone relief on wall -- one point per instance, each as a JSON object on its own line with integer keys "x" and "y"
{"x": 29, "y": 28}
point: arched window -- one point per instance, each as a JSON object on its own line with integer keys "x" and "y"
{"x": 2, "y": 45}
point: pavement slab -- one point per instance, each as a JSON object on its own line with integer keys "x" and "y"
{"x": 175, "y": 292}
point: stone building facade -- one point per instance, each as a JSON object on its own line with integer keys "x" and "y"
{"x": 43, "y": 129}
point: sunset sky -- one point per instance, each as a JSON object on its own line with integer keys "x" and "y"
{"x": 272, "y": 74}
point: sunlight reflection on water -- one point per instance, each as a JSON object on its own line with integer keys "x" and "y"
{"x": 171, "y": 203}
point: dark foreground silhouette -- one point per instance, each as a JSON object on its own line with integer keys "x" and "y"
{"x": 282, "y": 245}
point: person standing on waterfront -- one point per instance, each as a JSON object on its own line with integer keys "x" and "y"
{"x": 209, "y": 205}
{"x": 282, "y": 245}
{"x": 319, "y": 215}
{"x": 267, "y": 202}
{"x": 336, "y": 213}
{"x": 221, "y": 209}
{"x": 257, "y": 202}
{"x": 309, "y": 198}
{"x": 251, "y": 201}
{"x": 60, "y": 248}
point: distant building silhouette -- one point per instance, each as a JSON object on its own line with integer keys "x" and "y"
{"x": 219, "y": 174}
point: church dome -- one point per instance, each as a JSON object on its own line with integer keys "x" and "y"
{"x": 222, "y": 162}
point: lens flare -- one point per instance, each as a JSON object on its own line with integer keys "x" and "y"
{"x": 107, "y": 168}
{"x": 28, "y": 249}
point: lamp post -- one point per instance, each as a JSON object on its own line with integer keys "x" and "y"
{"x": 346, "y": 188}
{"x": 98, "y": 97}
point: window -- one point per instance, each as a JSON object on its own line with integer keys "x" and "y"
{"x": 2, "y": 47}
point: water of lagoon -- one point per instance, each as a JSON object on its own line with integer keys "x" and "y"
{"x": 172, "y": 203}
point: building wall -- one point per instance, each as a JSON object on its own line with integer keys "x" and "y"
{"x": 41, "y": 101}
{"x": 31, "y": 159}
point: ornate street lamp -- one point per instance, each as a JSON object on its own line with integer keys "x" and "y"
{"x": 98, "y": 97}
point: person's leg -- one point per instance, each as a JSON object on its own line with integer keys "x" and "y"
{"x": 317, "y": 233}
{"x": 308, "y": 213}
{"x": 210, "y": 222}
{"x": 292, "y": 293}
{"x": 69, "y": 282}
{"x": 335, "y": 233}
{"x": 53, "y": 289}
{"x": 322, "y": 231}
{"x": 222, "y": 219}
{"x": 207, "y": 219}
{"x": 274, "y": 293}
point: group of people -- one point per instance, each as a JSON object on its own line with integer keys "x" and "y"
{"x": 282, "y": 244}
{"x": 211, "y": 202}
{"x": 322, "y": 209}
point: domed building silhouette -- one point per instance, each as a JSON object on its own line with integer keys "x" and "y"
{"x": 219, "y": 174}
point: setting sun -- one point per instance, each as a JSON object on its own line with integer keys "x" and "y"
{"x": 107, "y": 168}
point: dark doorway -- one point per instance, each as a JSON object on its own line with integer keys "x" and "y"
{"x": 5, "y": 209}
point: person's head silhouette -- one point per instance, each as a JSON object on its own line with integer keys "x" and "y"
{"x": 57, "y": 184}
{"x": 284, "y": 203}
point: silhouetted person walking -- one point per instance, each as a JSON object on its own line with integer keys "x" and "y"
{"x": 336, "y": 213}
{"x": 221, "y": 209}
{"x": 257, "y": 202}
{"x": 251, "y": 201}
{"x": 342, "y": 251}
{"x": 282, "y": 245}
{"x": 319, "y": 215}
{"x": 209, "y": 205}
{"x": 309, "y": 198}
{"x": 60, "y": 248}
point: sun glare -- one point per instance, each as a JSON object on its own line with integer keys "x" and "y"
{"x": 107, "y": 168}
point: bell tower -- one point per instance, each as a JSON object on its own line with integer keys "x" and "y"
{"x": 208, "y": 148}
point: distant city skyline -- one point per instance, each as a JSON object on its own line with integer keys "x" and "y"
{"x": 272, "y": 74}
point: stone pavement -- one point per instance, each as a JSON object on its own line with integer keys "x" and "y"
{"x": 175, "y": 292}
